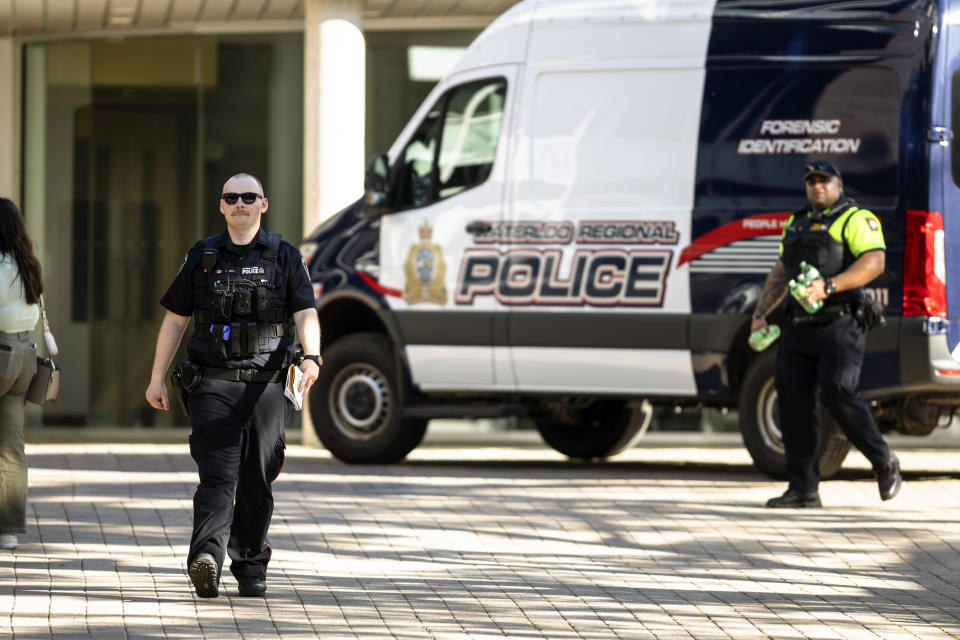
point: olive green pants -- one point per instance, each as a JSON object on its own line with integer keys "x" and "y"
{"x": 18, "y": 363}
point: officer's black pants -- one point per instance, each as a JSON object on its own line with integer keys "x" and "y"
{"x": 830, "y": 357}
{"x": 238, "y": 444}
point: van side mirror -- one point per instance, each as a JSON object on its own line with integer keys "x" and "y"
{"x": 376, "y": 185}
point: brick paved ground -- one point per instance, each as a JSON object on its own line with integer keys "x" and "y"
{"x": 478, "y": 541}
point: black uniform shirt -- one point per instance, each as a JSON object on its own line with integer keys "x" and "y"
{"x": 180, "y": 299}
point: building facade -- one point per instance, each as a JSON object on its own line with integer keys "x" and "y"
{"x": 121, "y": 119}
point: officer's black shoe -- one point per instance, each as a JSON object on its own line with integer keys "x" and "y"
{"x": 252, "y": 587}
{"x": 794, "y": 499}
{"x": 203, "y": 573}
{"x": 889, "y": 479}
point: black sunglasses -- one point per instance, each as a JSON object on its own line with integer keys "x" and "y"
{"x": 248, "y": 198}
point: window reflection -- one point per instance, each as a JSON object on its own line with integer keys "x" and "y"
{"x": 129, "y": 141}
{"x": 471, "y": 116}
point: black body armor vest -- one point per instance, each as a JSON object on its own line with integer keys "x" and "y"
{"x": 808, "y": 239}
{"x": 241, "y": 318}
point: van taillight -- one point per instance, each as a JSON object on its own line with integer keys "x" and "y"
{"x": 924, "y": 266}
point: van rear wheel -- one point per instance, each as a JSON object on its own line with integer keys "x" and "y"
{"x": 600, "y": 430}
{"x": 760, "y": 428}
{"x": 355, "y": 403}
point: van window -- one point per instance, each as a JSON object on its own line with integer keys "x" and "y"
{"x": 417, "y": 167}
{"x": 470, "y": 131}
{"x": 453, "y": 148}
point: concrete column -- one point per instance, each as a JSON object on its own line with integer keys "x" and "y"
{"x": 334, "y": 104}
{"x": 10, "y": 120}
{"x": 284, "y": 179}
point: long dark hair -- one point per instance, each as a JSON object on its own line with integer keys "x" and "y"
{"x": 15, "y": 242}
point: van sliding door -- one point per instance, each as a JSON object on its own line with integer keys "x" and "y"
{"x": 599, "y": 209}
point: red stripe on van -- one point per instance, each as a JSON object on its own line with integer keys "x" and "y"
{"x": 379, "y": 288}
{"x": 763, "y": 224}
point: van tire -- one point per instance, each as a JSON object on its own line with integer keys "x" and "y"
{"x": 605, "y": 429}
{"x": 356, "y": 406}
{"x": 761, "y": 433}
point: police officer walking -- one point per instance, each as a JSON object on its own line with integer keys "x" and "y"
{"x": 825, "y": 349}
{"x": 245, "y": 289}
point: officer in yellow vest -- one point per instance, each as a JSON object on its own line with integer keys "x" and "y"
{"x": 824, "y": 350}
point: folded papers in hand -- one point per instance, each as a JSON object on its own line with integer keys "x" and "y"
{"x": 292, "y": 387}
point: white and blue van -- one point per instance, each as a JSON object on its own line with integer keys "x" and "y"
{"x": 576, "y": 224}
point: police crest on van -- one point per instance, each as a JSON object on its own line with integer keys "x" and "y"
{"x": 424, "y": 270}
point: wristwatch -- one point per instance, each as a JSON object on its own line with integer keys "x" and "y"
{"x": 829, "y": 287}
{"x": 316, "y": 359}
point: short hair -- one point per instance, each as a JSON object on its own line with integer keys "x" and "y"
{"x": 244, "y": 175}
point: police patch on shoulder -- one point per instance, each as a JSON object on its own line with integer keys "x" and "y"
{"x": 873, "y": 223}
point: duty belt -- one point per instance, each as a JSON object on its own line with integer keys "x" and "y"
{"x": 824, "y": 316}
{"x": 264, "y": 330}
{"x": 243, "y": 375}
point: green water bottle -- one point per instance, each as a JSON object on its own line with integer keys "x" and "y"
{"x": 799, "y": 286}
{"x": 763, "y": 338}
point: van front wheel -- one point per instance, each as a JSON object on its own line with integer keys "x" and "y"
{"x": 760, "y": 428}
{"x": 601, "y": 430}
{"x": 355, "y": 403}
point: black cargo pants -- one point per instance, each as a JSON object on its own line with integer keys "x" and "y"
{"x": 237, "y": 441}
{"x": 827, "y": 357}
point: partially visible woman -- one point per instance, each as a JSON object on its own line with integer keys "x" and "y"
{"x": 20, "y": 288}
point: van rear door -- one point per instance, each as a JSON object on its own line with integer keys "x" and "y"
{"x": 939, "y": 241}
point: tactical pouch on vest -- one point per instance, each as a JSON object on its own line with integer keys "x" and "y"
{"x": 235, "y": 348}
{"x": 215, "y": 336}
{"x": 222, "y": 305}
{"x": 243, "y": 303}
{"x": 251, "y": 336}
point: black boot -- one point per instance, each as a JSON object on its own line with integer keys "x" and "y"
{"x": 889, "y": 479}
{"x": 794, "y": 499}
{"x": 203, "y": 573}
{"x": 252, "y": 587}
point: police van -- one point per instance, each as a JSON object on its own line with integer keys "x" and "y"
{"x": 576, "y": 224}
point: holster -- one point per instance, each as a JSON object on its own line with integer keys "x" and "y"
{"x": 185, "y": 377}
{"x": 869, "y": 313}
{"x": 180, "y": 392}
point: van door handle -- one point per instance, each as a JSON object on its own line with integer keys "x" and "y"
{"x": 479, "y": 227}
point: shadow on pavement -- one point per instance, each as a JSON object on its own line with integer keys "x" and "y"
{"x": 515, "y": 548}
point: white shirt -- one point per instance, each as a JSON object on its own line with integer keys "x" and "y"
{"x": 15, "y": 314}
